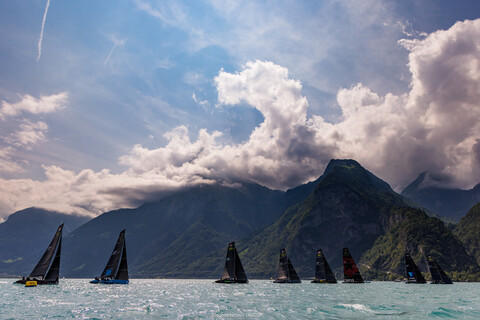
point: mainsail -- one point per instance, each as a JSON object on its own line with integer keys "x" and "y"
{"x": 350, "y": 270}
{"x": 286, "y": 271}
{"x": 438, "y": 275}
{"x": 45, "y": 268}
{"x": 116, "y": 267}
{"x": 413, "y": 273}
{"x": 54, "y": 272}
{"x": 283, "y": 269}
{"x": 233, "y": 271}
{"x": 323, "y": 272}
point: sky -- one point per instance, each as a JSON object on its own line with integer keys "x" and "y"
{"x": 107, "y": 104}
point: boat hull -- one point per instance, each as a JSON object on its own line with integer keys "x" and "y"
{"x": 113, "y": 281}
{"x": 352, "y": 281}
{"x": 39, "y": 282}
{"x": 440, "y": 282}
{"x": 230, "y": 281}
{"x": 322, "y": 281}
{"x": 286, "y": 281}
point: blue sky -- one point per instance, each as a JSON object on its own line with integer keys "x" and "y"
{"x": 119, "y": 100}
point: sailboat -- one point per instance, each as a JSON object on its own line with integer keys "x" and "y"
{"x": 323, "y": 273}
{"x": 413, "y": 273}
{"x": 350, "y": 270}
{"x": 48, "y": 268}
{"x": 286, "y": 271}
{"x": 233, "y": 271}
{"x": 438, "y": 275}
{"x": 116, "y": 270}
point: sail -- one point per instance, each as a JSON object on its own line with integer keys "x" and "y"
{"x": 413, "y": 273}
{"x": 229, "y": 269}
{"x": 110, "y": 270}
{"x": 283, "y": 270}
{"x": 323, "y": 271}
{"x": 438, "y": 275}
{"x": 122, "y": 273}
{"x": 240, "y": 274}
{"x": 292, "y": 274}
{"x": 54, "y": 271}
{"x": 350, "y": 270}
{"x": 43, "y": 265}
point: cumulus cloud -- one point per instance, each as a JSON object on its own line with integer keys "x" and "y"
{"x": 44, "y": 104}
{"x": 432, "y": 127}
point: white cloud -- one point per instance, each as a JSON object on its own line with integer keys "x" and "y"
{"x": 29, "y": 135}
{"x": 44, "y": 104}
{"x": 434, "y": 126}
{"x": 7, "y": 162}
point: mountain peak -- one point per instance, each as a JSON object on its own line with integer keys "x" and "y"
{"x": 347, "y": 163}
{"x": 351, "y": 169}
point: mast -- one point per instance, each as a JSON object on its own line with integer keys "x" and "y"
{"x": 413, "y": 273}
{"x": 43, "y": 265}
{"x": 350, "y": 270}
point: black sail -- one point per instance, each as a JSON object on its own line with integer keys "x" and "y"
{"x": 43, "y": 265}
{"x": 122, "y": 273}
{"x": 413, "y": 273}
{"x": 292, "y": 274}
{"x": 240, "y": 274}
{"x": 233, "y": 271}
{"x": 229, "y": 269}
{"x": 350, "y": 270}
{"x": 283, "y": 270}
{"x": 438, "y": 275}
{"x": 323, "y": 272}
{"x": 111, "y": 268}
{"x": 54, "y": 271}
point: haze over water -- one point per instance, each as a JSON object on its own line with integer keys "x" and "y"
{"x": 203, "y": 299}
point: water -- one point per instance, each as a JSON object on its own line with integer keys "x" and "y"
{"x": 203, "y": 299}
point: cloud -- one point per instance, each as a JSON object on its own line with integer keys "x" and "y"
{"x": 29, "y": 135}
{"x": 7, "y": 162}
{"x": 432, "y": 127}
{"x": 40, "y": 39}
{"x": 44, "y": 104}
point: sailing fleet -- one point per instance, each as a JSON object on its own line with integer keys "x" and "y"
{"x": 47, "y": 269}
{"x": 233, "y": 271}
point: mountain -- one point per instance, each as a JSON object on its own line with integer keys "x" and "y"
{"x": 415, "y": 232}
{"x": 452, "y": 204}
{"x": 468, "y": 231}
{"x": 185, "y": 233}
{"x": 350, "y": 207}
{"x": 164, "y": 237}
{"x": 346, "y": 209}
{"x": 25, "y": 235}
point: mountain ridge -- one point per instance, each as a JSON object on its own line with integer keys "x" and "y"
{"x": 184, "y": 233}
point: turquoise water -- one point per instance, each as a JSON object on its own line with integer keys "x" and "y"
{"x": 203, "y": 299}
